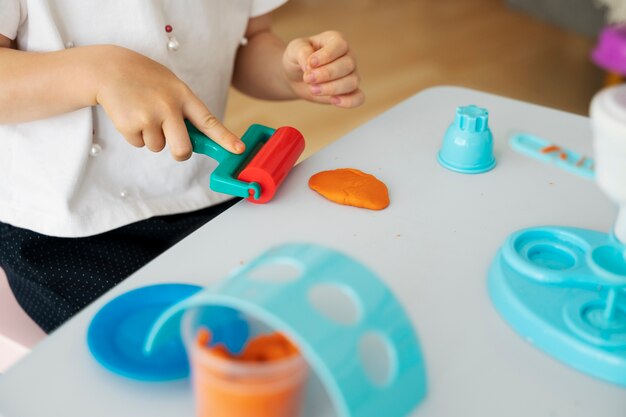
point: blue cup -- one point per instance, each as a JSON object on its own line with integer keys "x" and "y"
{"x": 468, "y": 144}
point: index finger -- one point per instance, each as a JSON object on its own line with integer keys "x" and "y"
{"x": 200, "y": 116}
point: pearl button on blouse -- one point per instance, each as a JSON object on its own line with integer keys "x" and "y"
{"x": 173, "y": 44}
{"x": 95, "y": 150}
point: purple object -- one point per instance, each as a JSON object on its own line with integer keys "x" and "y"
{"x": 610, "y": 52}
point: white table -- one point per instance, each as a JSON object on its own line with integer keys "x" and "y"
{"x": 432, "y": 245}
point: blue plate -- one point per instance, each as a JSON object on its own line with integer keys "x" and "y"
{"x": 117, "y": 333}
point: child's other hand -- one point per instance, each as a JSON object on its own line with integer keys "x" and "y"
{"x": 148, "y": 103}
{"x": 322, "y": 69}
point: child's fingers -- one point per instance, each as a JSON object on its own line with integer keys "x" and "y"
{"x": 350, "y": 100}
{"x": 343, "y": 85}
{"x": 339, "y": 68}
{"x": 298, "y": 51}
{"x": 135, "y": 138}
{"x": 177, "y": 138}
{"x": 329, "y": 46}
{"x": 207, "y": 123}
{"x": 154, "y": 139}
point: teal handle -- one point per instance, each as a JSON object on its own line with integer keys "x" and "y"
{"x": 201, "y": 143}
{"x": 223, "y": 179}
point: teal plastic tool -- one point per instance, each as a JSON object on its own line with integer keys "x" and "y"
{"x": 550, "y": 153}
{"x": 562, "y": 289}
{"x": 468, "y": 143}
{"x": 224, "y": 178}
{"x": 332, "y": 348}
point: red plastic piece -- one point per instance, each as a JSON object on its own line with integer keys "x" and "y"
{"x": 272, "y": 163}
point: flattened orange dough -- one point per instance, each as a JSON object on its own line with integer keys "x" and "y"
{"x": 351, "y": 187}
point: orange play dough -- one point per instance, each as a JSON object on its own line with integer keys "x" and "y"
{"x": 263, "y": 348}
{"x": 351, "y": 187}
{"x": 228, "y": 385}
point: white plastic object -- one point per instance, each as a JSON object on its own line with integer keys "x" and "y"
{"x": 608, "y": 120}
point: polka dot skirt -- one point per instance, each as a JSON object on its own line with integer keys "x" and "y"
{"x": 53, "y": 278}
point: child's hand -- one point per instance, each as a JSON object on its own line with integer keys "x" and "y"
{"x": 148, "y": 103}
{"x": 322, "y": 69}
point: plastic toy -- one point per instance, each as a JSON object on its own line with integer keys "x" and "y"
{"x": 331, "y": 348}
{"x": 608, "y": 121}
{"x": 118, "y": 331}
{"x": 338, "y": 350}
{"x": 267, "y": 380}
{"x": 610, "y": 54}
{"x": 256, "y": 173}
{"x": 468, "y": 143}
{"x": 545, "y": 151}
{"x": 563, "y": 288}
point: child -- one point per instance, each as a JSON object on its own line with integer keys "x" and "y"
{"x": 80, "y": 209}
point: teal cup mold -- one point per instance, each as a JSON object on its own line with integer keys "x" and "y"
{"x": 562, "y": 288}
{"x": 334, "y": 347}
{"x": 468, "y": 143}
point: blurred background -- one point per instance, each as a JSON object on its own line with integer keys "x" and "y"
{"x": 533, "y": 50}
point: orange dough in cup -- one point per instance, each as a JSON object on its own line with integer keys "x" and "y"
{"x": 351, "y": 187}
{"x": 267, "y": 380}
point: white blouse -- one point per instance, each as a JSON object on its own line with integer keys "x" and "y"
{"x": 74, "y": 175}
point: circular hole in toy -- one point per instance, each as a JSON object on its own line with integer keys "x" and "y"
{"x": 551, "y": 256}
{"x": 335, "y": 303}
{"x": 552, "y": 249}
{"x": 594, "y": 315}
{"x": 584, "y": 315}
{"x": 275, "y": 271}
{"x": 377, "y": 357}
{"x": 610, "y": 258}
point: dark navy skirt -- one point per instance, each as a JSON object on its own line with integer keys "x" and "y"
{"x": 53, "y": 278}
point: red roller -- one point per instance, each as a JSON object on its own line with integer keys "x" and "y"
{"x": 272, "y": 163}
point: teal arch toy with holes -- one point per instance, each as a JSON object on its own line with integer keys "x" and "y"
{"x": 330, "y": 347}
{"x": 562, "y": 289}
